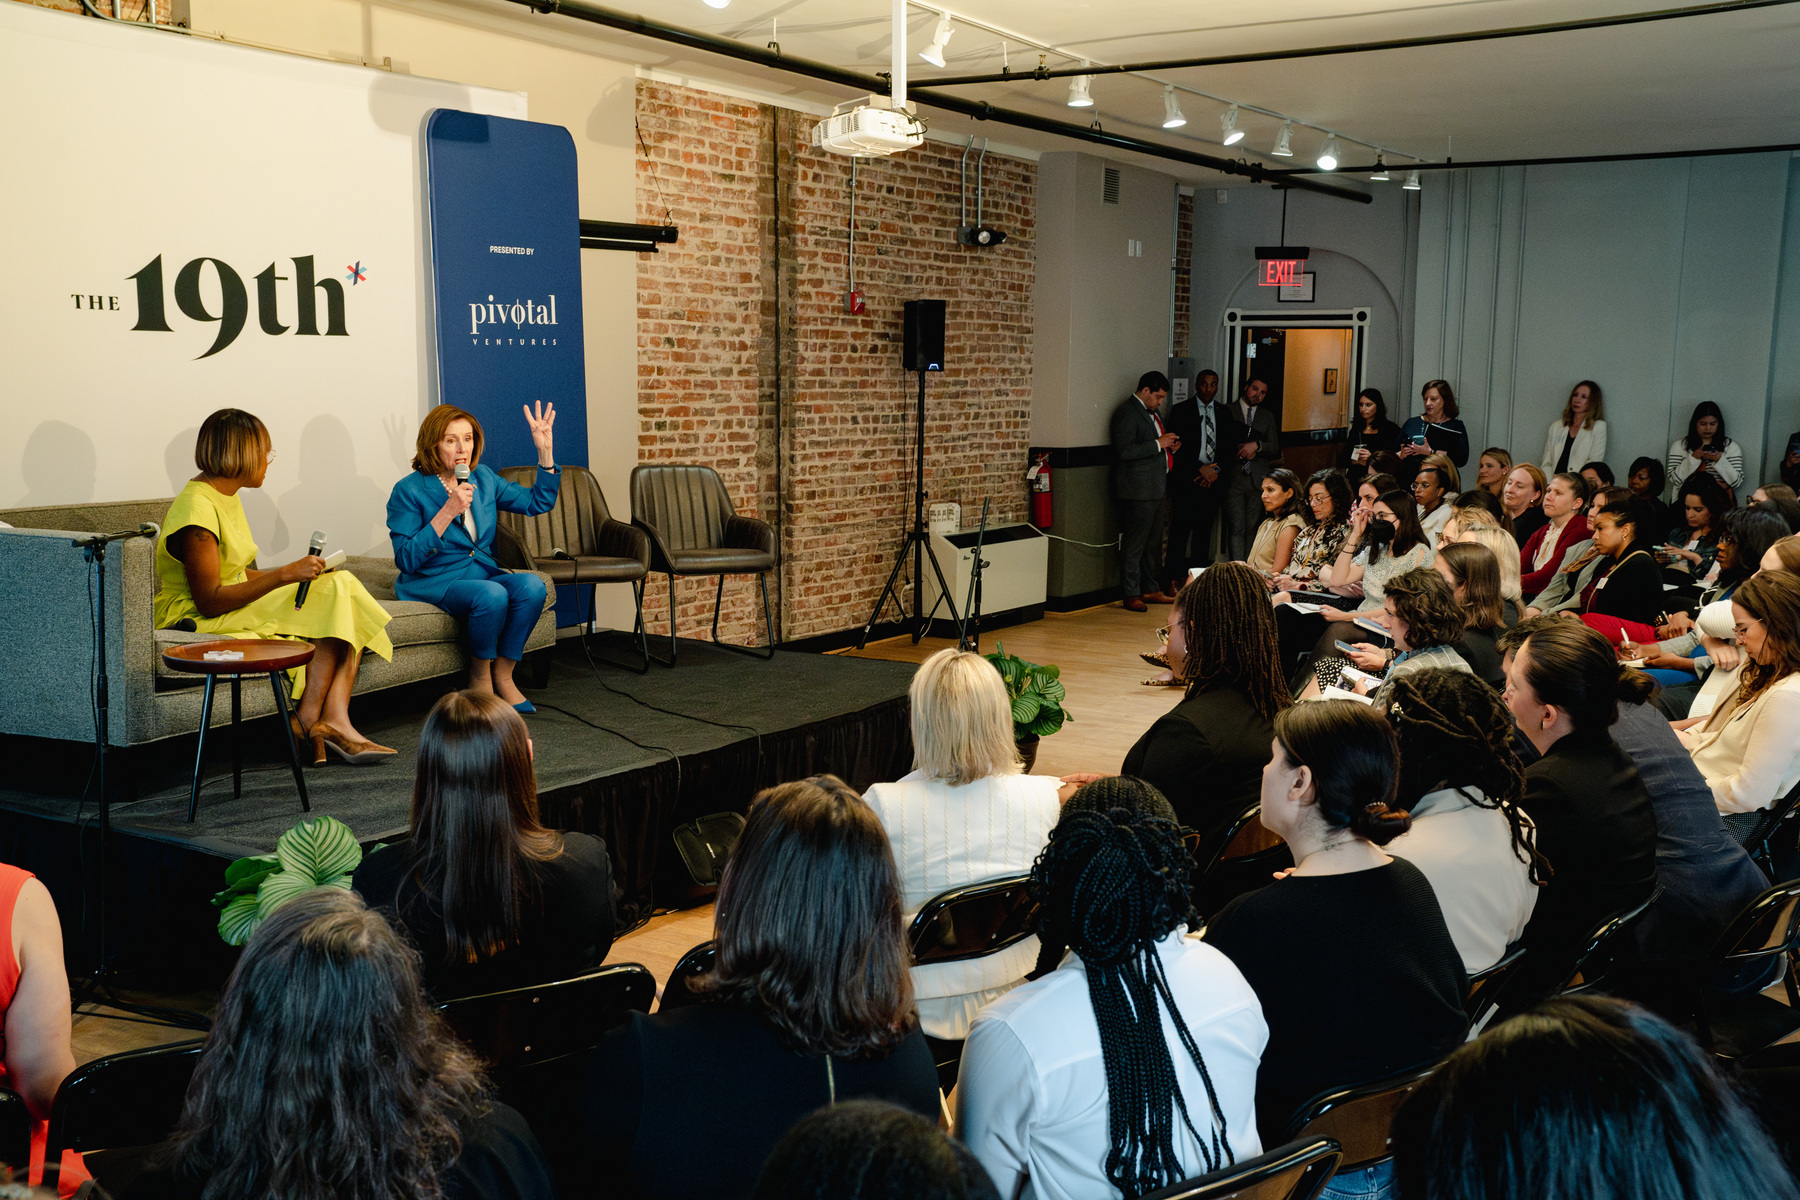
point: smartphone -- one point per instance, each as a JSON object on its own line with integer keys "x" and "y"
{"x": 1356, "y": 676}
{"x": 1418, "y": 439}
{"x": 1346, "y": 647}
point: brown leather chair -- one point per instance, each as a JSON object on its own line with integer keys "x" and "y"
{"x": 578, "y": 542}
{"x": 1359, "y": 1119}
{"x": 694, "y": 530}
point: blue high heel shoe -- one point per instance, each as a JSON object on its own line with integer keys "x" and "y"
{"x": 524, "y": 706}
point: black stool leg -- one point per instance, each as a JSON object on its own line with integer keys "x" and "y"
{"x": 672, "y": 650}
{"x": 643, "y": 634}
{"x": 278, "y": 680}
{"x": 237, "y": 740}
{"x": 718, "y": 602}
{"x": 200, "y": 750}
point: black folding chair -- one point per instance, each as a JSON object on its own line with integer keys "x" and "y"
{"x": 1486, "y": 986}
{"x": 696, "y": 962}
{"x": 1296, "y": 1171}
{"x": 523, "y": 1028}
{"x": 15, "y": 1129}
{"x": 1360, "y": 1119}
{"x": 1759, "y": 841}
{"x": 970, "y": 922}
{"x": 1740, "y": 1026}
{"x": 116, "y": 1111}
{"x": 1220, "y": 876}
{"x": 1601, "y": 955}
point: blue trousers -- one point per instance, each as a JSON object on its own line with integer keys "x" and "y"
{"x": 501, "y": 612}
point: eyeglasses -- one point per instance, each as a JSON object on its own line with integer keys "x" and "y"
{"x": 1162, "y": 635}
{"x": 1741, "y": 630}
{"x": 271, "y": 457}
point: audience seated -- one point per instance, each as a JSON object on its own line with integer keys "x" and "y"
{"x": 1597, "y": 475}
{"x": 1484, "y": 501}
{"x": 1349, "y": 953}
{"x": 1781, "y": 498}
{"x": 1471, "y": 526}
{"x": 34, "y": 1002}
{"x": 965, "y": 813}
{"x": 811, "y": 1004}
{"x": 1461, "y": 781}
{"x": 490, "y": 898}
{"x": 1701, "y": 505}
{"x": 1543, "y": 553}
{"x": 1491, "y": 470}
{"x": 1133, "y": 1064}
{"x": 1625, "y": 598}
{"x": 1328, "y": 525}
{"x": 327, "y": 1076}
{"x": 1523, "y": 497}
{"x": 1748, "y": 747}
{"x": 869, "y": 1150}
{"x": 1432, "y": 488}
{"x": 1426, "y": 624}
{"x": 1206, "y": 754}
{"x": 1646, "y": 481}
{"x": 1474, "y": 578}
{"x": 1584, "y": 1097}
{"x": 1593, "y": 816}
{"x": 1581, "y": 562}
{"x": 1275, "y": 537}
{"x": 1748, "y": 536}
{"x": 1385, "y": 541}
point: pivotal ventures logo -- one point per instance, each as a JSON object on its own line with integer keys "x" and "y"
{"x": 531, "y": 323}
{"x": 301, "y": 299}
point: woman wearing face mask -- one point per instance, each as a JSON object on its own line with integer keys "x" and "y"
{"x": 1523, "y": 496}
{"x": 1436, "y": 430}
{"x": 1543, "y": 553}
{"x": 1706, "y": 448}
{"x": 1579, "y": 435}
{"x": 1491, "y": 470}
{"x": 1370, "y": 433}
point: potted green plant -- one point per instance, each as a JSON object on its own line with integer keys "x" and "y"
{"x": 1036, "y": 692}
{"x": 318, "y": 853}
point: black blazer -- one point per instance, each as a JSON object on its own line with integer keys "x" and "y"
{"x": 1596, "y": 825}
{"x": 1184, "y": 419}
{"x": 1206, "y": 756}
{"x": 1140, "y": 470}
{"x": 1386, "y": 437}
{"x": 1631, "y": 591}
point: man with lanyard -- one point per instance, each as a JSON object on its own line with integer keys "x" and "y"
{"x": 1143, "y": 454}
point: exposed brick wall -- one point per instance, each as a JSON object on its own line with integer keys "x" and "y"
{"x": 708, "y": 330}
{"x": 1184, "y": 271}
{"x": 130, "y": 10}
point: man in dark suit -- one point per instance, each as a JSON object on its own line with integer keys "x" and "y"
{"x": 1143, "y": 452}
{"x": 1195, "y": 492}
{"x": 1254, "y": 447}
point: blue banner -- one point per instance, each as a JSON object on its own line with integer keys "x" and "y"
{"x": 506, "y": 273}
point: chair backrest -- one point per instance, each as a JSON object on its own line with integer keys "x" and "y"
{"x": 1758, "y": 840}
{"x": 687, "y": 506}
{"x": 1601, "y": 953}
{"x": 696, "y": 962}
{"x": 1296, "y": 1171}
{"x": 122, "y": 1100}
{"x": 523, "y": 1027}
{"x": 572, "y": 524}
{"x": 1209, "y": 849}
{"x": 1768, "y": 926}
{"x": 1360, "y": 1119}
{"x": 15, "y": 1129}
{"x": 973, "y": 921}
{"x": 1486, "y": 988}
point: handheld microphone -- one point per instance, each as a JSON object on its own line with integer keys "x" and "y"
{"x": 462, "y": 472}
{"x": 317, "y": 547}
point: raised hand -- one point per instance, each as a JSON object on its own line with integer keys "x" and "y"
{"x": 541, "y": 424}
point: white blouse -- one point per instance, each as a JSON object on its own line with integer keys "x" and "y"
{"x": 1466, "y": 853}
{"x": 1031, "y": 1094}
{"x": 1750, "y": 755}
{"x": 1590, "y": 446}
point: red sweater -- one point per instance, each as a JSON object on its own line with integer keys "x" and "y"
{"x": 1533, "y": 581}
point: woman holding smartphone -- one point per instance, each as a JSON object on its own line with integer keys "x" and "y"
{"x": 1435, "y": 431}
{"x": 1370, "y": 433}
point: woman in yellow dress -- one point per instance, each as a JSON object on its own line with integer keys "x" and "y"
{"x": 203, "y": 561}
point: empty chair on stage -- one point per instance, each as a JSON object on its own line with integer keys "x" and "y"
{"x": 442, "y": 519}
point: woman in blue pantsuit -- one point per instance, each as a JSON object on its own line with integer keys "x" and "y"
{"x": 443, "y": 535}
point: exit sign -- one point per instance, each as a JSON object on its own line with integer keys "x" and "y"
{"x": 1282, "y": 272}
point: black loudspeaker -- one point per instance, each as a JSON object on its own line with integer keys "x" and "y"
{"x": 923, "y": 349}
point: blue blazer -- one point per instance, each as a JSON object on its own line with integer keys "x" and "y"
{"x": 429, "y": 564}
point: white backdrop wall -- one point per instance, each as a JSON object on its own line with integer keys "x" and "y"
{"x": 1663, "y": 281}
{"x": 189, "y": 150}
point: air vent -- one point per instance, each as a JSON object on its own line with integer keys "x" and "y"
{"x": 1109, "y": 190}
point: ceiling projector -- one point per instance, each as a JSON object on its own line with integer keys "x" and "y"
{"x": 868, "y": 129}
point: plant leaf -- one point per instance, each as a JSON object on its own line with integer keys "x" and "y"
{"x": 1052, "y": 692}
{"x": 1050, "y": 671}
{"x": 279, "y": 888}
{"x": 1025, "y": 708}
{"x": 1048, "y": 722}
{"x": 256, "y": 865}
{"x": 239, "y": 920}
{"x": 318, "y": 850}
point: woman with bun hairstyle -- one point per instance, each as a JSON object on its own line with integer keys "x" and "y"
{"x": 1593, "y": 814}
{"x": 1357, "y": 972}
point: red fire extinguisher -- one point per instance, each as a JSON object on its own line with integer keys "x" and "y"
{"x": 1038, "y": 479}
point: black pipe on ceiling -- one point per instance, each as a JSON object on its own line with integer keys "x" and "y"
{"x": 1442, "y": 39}
{"x": 1452, "y": 165}
{"x": 694, "y": 39}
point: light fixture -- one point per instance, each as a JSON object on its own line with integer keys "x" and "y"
{"x": 1381, "y": 172}
{"x": 1412, "y": 181}
{"x": 934, "y": 53}
{"x": 1283, "y": 141}
{"x": 717, "y": 3}
{"x": 1172, "y": 118}
{"x": 1232, "y": 135}
{"x": 1078, "y": 92}
{"x": 1328, "y": 154}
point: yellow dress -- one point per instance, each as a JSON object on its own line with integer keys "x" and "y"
{"x": 338, "y": 606}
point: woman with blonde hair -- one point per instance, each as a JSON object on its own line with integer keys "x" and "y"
{"x": 208, "y": 586}
{"x": 1491, "y": 470}
{"x": 1474, "y": 525}
{"x": 966, "y": 813}
{"x": 1579, "y": 435}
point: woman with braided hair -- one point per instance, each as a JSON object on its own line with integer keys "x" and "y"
{"x": 1348, "y": 951}
{"x": 1069, "y": 1090}
{"x": 1461, "y": 781}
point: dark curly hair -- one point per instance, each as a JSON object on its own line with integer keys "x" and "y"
{"x": 1355, "y": 763}
{"x": 327, "y": 1075}
{"x": 1425, "y": 602}
{"x": 1112, "y": 884}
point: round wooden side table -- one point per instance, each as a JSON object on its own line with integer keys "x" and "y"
{"x": 260, "y": 657}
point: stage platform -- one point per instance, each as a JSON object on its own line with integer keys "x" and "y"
{"x": 619, "y": 755}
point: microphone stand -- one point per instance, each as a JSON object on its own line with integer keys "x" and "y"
{"x": 968, "y": 636}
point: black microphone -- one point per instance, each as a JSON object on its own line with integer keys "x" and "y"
{"x": 149, "y": 529}
{"x": 317, "y": 548}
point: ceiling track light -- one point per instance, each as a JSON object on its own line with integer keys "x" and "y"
{"x": 1412, "y": 181}
{"x": 1231, "y": 134}
{"x": 1078, "y": 91}
{"x": 1284, "y": 147}
{"x": 1328, "y": 154}
{"x": 934, "y": 53}
{"x": 1381, "y": 172}
{"x": 1172, "y": 118}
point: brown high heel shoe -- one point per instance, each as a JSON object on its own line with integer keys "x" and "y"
{"x": 302, "y": 738}
{"x": 353, "y": 751}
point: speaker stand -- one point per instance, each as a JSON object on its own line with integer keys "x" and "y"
{"x": 918, "y": 541}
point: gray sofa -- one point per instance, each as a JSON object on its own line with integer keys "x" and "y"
{"x": 46, "y": 651}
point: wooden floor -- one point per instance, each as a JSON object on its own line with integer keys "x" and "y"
{"x": 1097, "y": 650}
